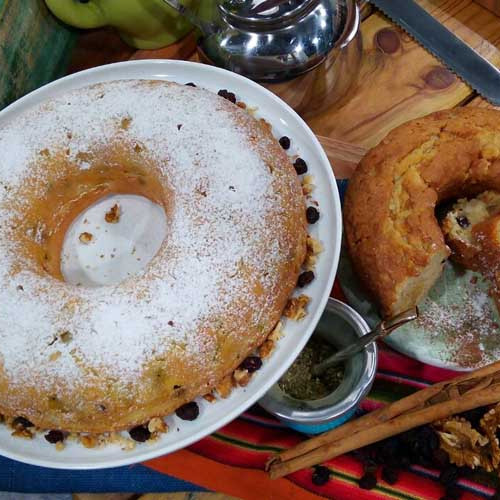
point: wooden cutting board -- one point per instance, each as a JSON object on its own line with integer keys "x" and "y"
{"x": 398, "y": 80}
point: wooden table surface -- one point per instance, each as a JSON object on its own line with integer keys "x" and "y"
{"x": 398, "y": 79}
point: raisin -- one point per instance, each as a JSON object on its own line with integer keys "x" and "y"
{"x": 305, "y": 278}
{"x": 21, "y": 422}
{"x": 454, "y": 492}
{"x": 462, "y": 221}
{"x": 473, "y": 416}
{"x": 54, "y": 436}
{"x": 390, "y": 475}
{"x": 190, "y": 84}
{"x": 433, "y": 442}
{"x": 449, "y": 475}
{"x": 368, "y": 481}
{"x": 370, "y": 466}
{"x": 140, "y": 433}
{"x": 389, "y": 452}
{"x": 440, "y": 458}
{"x": 321, "y": 475}
{"x": 285, "y": 142}
{"x": 312, "y": 215}
{"x": 189, "y": 411}
{"x": 251, "y": 364}
{"x": 227, "y": 95}
{"x": 300, "y": 166}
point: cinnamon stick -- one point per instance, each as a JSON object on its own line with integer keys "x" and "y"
{"x": 384, "y": 414}
{"x": 401, "y": 423}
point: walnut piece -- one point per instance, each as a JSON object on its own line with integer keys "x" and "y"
{"x": 55, "y": 355}
{"x": 113, "y": 214}
{"x": 225, "y": 387}
{"x": 266, "y": 348}
{"x": 277, "y": 332}
{"x": 241, "y": 377}
{"x": 307, "y": 185}
{"x": 296, "y": 307}
{"x": 88, "y": 441}
{"x": 210, "y": 398}
{"x": 314, "y": 248}
{"x": 157, "y": 425}
{"x": 464, "y": 445}
{"x": 22, "y": 433}
{"x": 490, "y": 424}
{"x": 86, "y": 238}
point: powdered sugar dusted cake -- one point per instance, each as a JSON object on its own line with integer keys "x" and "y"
{"x": 96, "y": 359}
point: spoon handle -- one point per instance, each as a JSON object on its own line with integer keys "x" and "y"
{"x": 383, "y": 329}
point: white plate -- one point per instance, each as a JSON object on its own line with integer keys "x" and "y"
{"x": 458, "y": 327}
{"x": 328, "y": 229}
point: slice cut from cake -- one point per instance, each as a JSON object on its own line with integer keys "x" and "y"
{"x": 472, "y": 231}
{"x": 471, "y": 228}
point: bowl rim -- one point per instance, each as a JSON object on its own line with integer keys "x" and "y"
{"x": 314, "y": 417}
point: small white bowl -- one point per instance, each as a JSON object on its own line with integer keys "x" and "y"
{"x": 340, "y": 325}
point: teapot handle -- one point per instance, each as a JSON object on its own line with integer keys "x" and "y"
{"x": 78, "y": 13}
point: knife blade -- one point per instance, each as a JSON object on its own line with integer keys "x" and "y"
{"x": 459, "y": 57}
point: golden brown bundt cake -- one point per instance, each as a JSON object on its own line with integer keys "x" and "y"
{"x": 109, "y": 357}
{"x": 393, "y": 237}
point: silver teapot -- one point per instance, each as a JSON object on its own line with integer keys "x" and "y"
{"x": 274, "y": 41}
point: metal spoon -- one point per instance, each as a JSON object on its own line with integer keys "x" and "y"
{"x": 383, "y": 329}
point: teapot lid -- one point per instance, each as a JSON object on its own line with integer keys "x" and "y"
{"x": 264, "y": 11}
{"x": 272, "y": 40}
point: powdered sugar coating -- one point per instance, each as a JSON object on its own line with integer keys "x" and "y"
{"x": 201, "y": 143}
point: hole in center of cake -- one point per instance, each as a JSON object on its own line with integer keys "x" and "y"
{"x": 112, "y": 239}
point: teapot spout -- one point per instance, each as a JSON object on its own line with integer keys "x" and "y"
{"x": 190, "y": 16}
{"x": 80, "y": 15}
